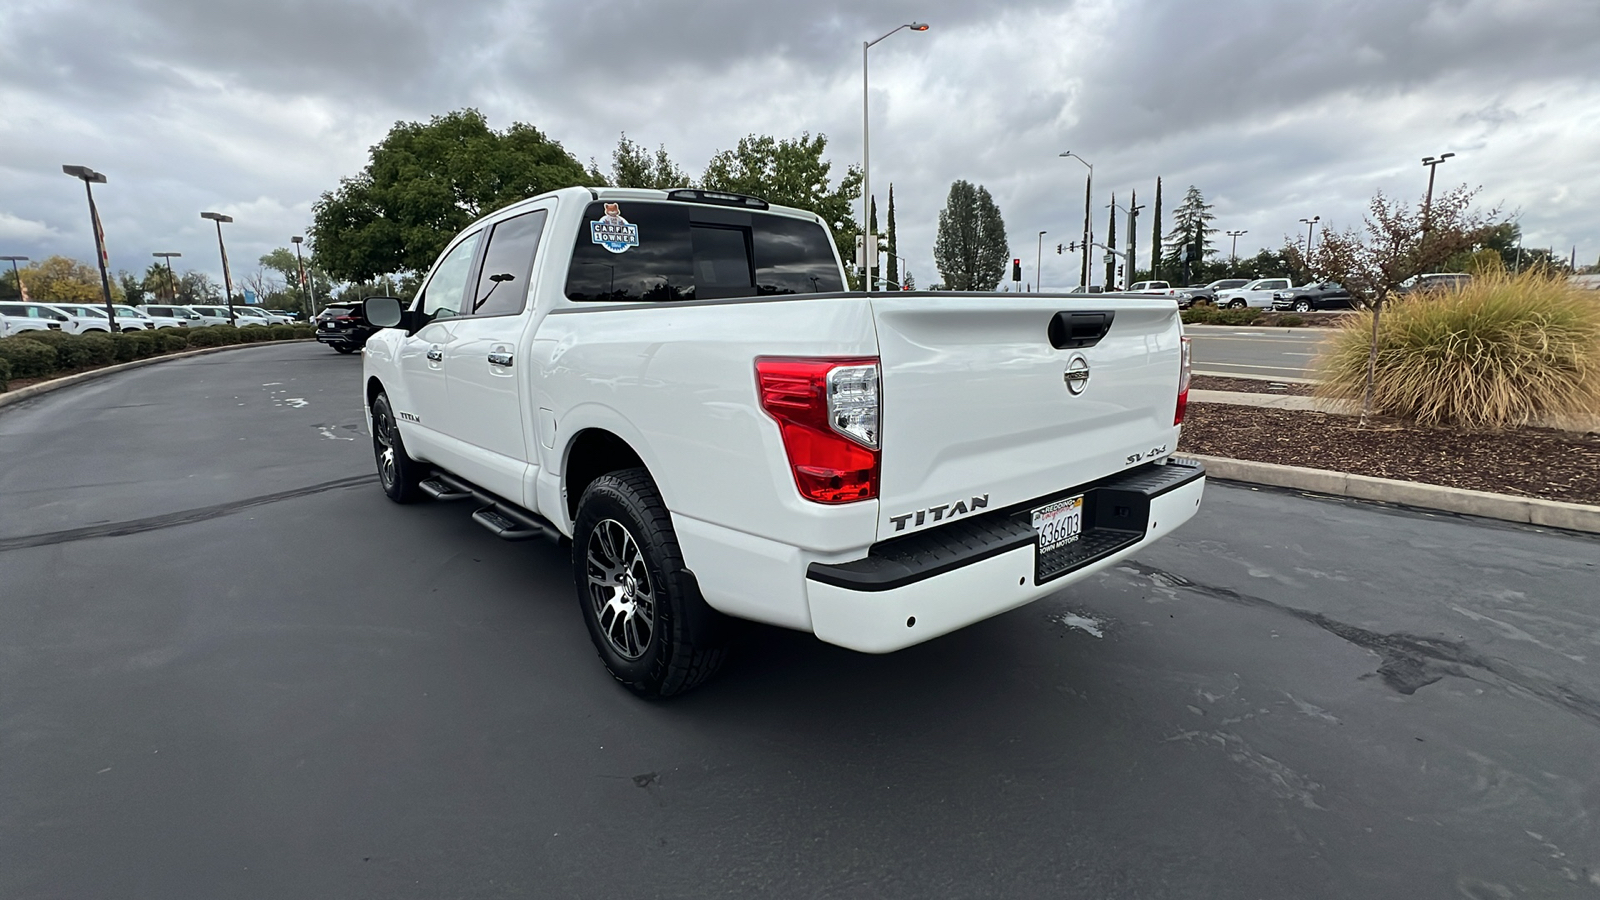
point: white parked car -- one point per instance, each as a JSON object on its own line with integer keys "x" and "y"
{"x": 91, "y": 317}
{"x": 212, "y": 315}
{"x": 1256, "y": 294}
{"x": 255, "y": 315}
{"x": 149, "y": 321}
{"x": 1149, "y": 287}
{"x": 678, "y": 382}
{"x": 184, "y": 314}
{"x": 16, "y": 318}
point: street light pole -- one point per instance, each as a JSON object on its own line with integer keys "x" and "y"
{"x": 1427, "y": 203}
{"x": 1088, "y": 187}
{"x": 306, "y": 286}
{"x": 869, "y": 245}
{"x": 227, "y": 279}
{"x": 91, "y": 177}
{"x": 14, "y": 272}
{"x": 172, "y": 281}
{"x": 1233, "y": 256}
{"x": 1310, "y": 224}
{"x": 1038, "y": 265}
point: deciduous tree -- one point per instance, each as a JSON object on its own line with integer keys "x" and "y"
{"x": 790, "y": 173}
{"x": 633, "y": 166}
{"x": 61, "y": 279}
{"x": 970, "y": 249}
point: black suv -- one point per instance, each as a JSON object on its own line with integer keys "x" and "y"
{"x": 342, "y": 327}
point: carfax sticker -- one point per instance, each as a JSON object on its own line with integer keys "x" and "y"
{"x": 612, "y": 231}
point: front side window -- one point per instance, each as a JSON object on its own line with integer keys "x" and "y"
{"x": 445, "y": 292}
{"x": 512, "y": 244}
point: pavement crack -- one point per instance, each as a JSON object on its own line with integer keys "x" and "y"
{"x": 170, "y": 520}
{"x": 1409, "y": 661}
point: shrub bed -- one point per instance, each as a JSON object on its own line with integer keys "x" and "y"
{"x": 39, "y": 354}
{"x": 1498, "y": 352}
{"x": 282, "y": 332}
{"x": 252, "y": 334}
{"x": 28, "y": 358}
{"x": 5, "y": 375}
{"x": 1210, "y": 315}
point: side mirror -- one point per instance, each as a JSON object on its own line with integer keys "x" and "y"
{"x": 381, "y": 312}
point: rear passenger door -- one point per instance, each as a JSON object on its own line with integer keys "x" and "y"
{"x": 487, "y": 378}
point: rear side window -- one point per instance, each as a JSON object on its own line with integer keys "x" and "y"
{"x": 511, "y": 247}
{"x": 654, "y": 252}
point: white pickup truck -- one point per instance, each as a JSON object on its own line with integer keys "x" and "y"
{"x": 679, "y": 384}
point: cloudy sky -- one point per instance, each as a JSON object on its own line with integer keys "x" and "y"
{"x": 1278, "y": 110}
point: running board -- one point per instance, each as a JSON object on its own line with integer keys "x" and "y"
{"x": 510, "y": 525}
{"x": 438, "y": 490}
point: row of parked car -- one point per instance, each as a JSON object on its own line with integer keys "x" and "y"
{"x": 1281, "y": 293}
{"x": 83, "y": 318}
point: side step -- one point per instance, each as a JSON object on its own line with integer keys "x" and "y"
{"x": 438, "y": 490}
{"x": 511, "y": 525}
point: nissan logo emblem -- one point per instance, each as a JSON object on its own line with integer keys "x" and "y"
{"x": 1077, "y": 374}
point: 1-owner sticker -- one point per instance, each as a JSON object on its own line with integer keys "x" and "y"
{"x": 613, "y": 232}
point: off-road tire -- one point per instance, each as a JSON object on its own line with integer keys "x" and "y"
{"x": 398, "y": 474}
{"x": 688, "y": 641}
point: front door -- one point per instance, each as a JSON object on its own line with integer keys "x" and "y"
{"x": 487, "y": 379}
{"x": 424, "y": 411}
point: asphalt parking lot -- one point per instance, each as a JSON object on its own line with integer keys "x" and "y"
{"x": 229, "y": 667}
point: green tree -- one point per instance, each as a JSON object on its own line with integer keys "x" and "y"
{"x": 424, "y": 182}
{"x": 970, "y": 248}
{"x": 1155, "y": 236}
{"x": 197, "y": 287}
{"x": 1111, "y": 244}
{"x": 632, "y": 166}
{"x": 61, "y": 279}
{"x": 133, "y": 289}
{"x": 790, "y": 173}
{"x": 1191, "y": 229}
{"x": 893, "y": 263}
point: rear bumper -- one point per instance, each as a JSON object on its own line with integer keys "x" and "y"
{"x": 912, "y": 589}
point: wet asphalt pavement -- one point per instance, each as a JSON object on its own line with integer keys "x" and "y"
{"x": 230, "y": 668}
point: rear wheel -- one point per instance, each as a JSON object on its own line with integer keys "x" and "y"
{"x": 397, "y": 472}
{"x": 644, "y": 611}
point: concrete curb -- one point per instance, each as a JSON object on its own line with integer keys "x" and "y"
{"x": 1505, "y": 507}
{"x": 1285, "y": 379}
{"x": 56, "y": 384}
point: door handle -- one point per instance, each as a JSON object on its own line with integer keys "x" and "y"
{"x": 500, "y": 358}
{"x": 435, "y": 354}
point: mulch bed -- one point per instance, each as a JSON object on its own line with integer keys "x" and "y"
{"x": 1529, "y": 462}
{"x": 1250, "y": 385}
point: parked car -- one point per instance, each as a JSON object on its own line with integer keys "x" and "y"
{"x": 184, "y": 314}
{"x": 1324, "y": 295}
{"x": 96, "y": 314}
{"x": 680, "y": 384}
{"x": 1256, "y": 294}
{"x": 80, "y": 319}
{"x": 255, "y": 315}
{"x": 212, "y": 315}
{"x": 342, "y": 327}
{"x": 1434, "y": 281}
{"x": 1149, "y": 287}
{"x": 1204, "y": 293}
{"x": 16, "y": 318}
{"x": 288, "y": 316}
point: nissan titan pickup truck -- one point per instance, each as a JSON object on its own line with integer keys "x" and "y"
{"x": 680, "y": 383}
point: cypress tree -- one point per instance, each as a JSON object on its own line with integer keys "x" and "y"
{"x": 1155, "y": 236}
{"x": 1111, "y": 245}
{"x": 893, "y": 264}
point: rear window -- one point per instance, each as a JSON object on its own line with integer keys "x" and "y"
{"x": 643, "y": 251}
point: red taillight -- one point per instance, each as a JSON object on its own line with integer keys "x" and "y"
{"x": 1183, "y": 381}
{"x": 827, "y": 411}
{"x": 344, "y": 318}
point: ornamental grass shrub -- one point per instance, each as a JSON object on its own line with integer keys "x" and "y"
{"x": 1496, "y": 353}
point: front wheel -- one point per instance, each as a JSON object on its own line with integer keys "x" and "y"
{"x": 1236, "y": 304}
{"x": 644, "y": 611}
{"x": 397, "y": 471}
{"x": 1302, "y": 306}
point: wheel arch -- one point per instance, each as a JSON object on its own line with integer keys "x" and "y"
{"x": 593, "y": 452}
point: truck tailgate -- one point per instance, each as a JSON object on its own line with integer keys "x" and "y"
{"x": 979, "y": 410}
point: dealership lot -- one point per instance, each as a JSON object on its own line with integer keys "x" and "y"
{"x": 229, "y": 666}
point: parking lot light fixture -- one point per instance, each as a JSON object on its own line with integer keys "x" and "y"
{"x": 18, "y": 275}
{"x": 227, "y": 279}
{"x": 172, "y": 281}
{"x": 1088, "y": 187}
{"x": 90, "y": 177}
{"x": 869, "y": 246}
{"x": 1427, "y": 204}
{"x": 1310, "y": 224}
{"x": 1233, "y": 256}
{"x": 305, "y": 284}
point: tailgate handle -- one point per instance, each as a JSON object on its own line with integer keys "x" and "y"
{"x": 1075, "y": 330}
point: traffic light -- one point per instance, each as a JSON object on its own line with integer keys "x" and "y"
{"x": 1119, "y": 271}
{"x": 1016, "y": 270}
{"x": 1058, "y": 249}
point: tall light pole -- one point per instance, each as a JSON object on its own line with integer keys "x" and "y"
{"x": 869, "y": 246}
{"x": 1427, "y": 203}
{"x": 14, "y": 272}
{"x": 1233, "y": 256}
{"x": 310, "y": 290}
{"x": 227, "y": 279}
{"x": 91, "y": 177}
{"x": 1088, "y": 187}
{"x": 1038, "y": 265}
{"x": 1310, "y": 224}
{"x": 172, "y": 280}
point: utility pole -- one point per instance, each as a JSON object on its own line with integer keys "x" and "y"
{"x": 869, "y": 247}
{"x": 1088, "y": 191}
{"x": 1038, "y": 263}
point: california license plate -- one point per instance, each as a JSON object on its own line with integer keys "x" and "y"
{"x": 1059, "y": 523}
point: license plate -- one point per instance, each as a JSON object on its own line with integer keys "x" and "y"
{"x": 1059, "y": 523}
